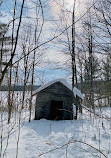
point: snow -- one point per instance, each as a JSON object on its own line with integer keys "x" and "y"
{"x": 56, "y": 139}
{"x": 64, "y": 82}
{"x": 77, "y": 92}
{"x": 48, "y": 139}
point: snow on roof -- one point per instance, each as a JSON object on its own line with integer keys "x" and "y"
{"x": 64, "y": 82}
{"x": 77, "y": 92}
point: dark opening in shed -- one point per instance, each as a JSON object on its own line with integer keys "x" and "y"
{"x": 56, "y": 112}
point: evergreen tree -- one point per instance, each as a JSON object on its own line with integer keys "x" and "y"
{"x": 5, "y": 44}
{"x": 91, "y": 73}
{"x": 107, "y": 78}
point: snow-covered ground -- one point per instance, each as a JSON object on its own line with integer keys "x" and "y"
{"x": 61, "y": 139}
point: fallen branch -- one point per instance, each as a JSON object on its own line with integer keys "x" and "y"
{"x": 72, "y": 142}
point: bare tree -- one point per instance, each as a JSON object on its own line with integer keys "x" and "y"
{"x": 15, "y": 45}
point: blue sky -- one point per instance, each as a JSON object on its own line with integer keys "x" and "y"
{"x": 53, "y": 54}
{"x": 48, "y": 73}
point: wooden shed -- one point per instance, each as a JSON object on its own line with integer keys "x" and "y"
{"x": 54, "y": 101}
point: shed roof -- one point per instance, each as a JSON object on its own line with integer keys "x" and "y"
{"x": 65, "y": 83}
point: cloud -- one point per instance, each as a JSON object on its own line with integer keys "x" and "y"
{"x": 53, "y": 59}
{"x": 5, "y": 18}
{"x": 67, "y": 5}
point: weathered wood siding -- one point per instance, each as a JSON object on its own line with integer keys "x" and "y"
{"x": 57, "y": 92}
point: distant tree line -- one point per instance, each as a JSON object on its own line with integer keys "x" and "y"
{"x": 18, "y": 88}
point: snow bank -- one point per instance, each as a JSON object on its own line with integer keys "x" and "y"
{"x": 47, "y": 139}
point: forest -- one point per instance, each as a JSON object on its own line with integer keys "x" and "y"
{"x": 43, "y": 40}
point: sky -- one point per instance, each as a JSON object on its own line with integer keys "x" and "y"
{"x": 52, "y": 53}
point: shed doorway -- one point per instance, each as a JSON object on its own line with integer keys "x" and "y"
{"x": 55, "y": 113}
